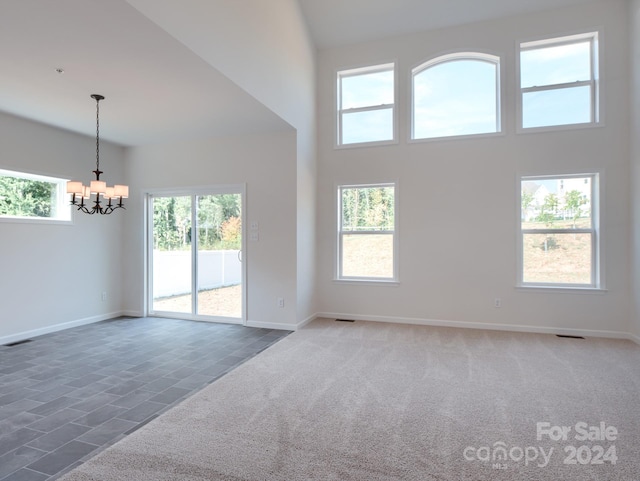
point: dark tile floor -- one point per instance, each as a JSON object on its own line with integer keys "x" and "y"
{"x": 66, "y": 396}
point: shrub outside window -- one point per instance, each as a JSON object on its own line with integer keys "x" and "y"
{"x": 559, "y": 231}
{"x": 26, "y": 196}
{"x": 366, "y": 110}
{"x": 366, "y": 232}
{"x": 559, "y": 81}
{"x": 457, "y": 94}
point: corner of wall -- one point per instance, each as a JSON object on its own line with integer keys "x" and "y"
{"x": 634, "y": 63}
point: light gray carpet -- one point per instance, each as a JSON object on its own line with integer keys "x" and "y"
{"x": 373, "y": 401}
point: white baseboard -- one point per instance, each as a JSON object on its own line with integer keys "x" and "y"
{"x": 21, "y": 336}
{"x": 634, "y": 338}
{"x": 482, "y": 325}
{"x": 306, "y": 321}
{"x": 280, "y": 325}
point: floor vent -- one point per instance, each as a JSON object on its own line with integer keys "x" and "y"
{"x": 345, "y": 320}
{"x": 566, "y": 336}
{"x": 17, "y": 343}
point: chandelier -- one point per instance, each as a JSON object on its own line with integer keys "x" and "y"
{"x": 80, "y": 192}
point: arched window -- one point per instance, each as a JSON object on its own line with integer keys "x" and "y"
{"x": 456, "y": 94}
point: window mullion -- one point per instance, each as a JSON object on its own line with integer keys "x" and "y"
{"x": 558, "y": 231}
{"x": 367, "y": 232}
{"x": 366, "y": 109}
{"x": 540, "y": 88}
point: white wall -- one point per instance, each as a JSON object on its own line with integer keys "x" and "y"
{"x": 266, "y": 163}
{"x": 634, "y": 19}
{"x": 265, "y": 48}
{"x": 453, "y": 263}
{"x": 54, "y": 275}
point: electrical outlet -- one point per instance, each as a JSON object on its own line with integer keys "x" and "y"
{"x": 497, "y": 302}
{"x": 281, "y": 302}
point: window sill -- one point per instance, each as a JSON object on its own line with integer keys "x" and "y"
{"x": 372, "y": 143}
{"x": 562, "y": 289}
{"x": 36, "y": 220}
{"x": 483, "y": 135}
{"x": 368, "y": 282}
{"x": 559, "y": 128}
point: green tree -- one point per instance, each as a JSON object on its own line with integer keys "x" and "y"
{"x": 368, "y": 208}
{"x": 26, "y": 197}
{"x": 169, "y": 226}
{"x": 549, "y": 210}
{"x": 173, "y": 227}
{"x": 230, "y": 204}
{"x": 183, "y": 221}
{"x": 210, "y": 218}
{"x": 213, "y": 212}
{"x": 548, "y": 214}
{"x": 573, "y": 201}
{"x": 526, "y": 199}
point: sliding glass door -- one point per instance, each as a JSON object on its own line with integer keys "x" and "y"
{"x": 171, "y": 258}
{"x": 219, "y": 255}
{"x": 196, "y": 268}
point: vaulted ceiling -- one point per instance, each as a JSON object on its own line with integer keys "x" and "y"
{"x": 156, "y": 88}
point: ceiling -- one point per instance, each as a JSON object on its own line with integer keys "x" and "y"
{"x": 155, "y": 88}
{"x": 341, "y": 22}
{"x": 158, "y": 90}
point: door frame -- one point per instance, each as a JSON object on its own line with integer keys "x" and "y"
{"x": 148, "y": 257}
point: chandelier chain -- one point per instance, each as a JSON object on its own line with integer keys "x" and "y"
{"x": 97, "y": 134}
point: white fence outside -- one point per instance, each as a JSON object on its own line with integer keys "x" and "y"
{"x": 172, "y": 271}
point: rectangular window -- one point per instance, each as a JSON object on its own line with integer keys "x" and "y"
{"x": 366, "y": 232}
{"x": 559, "y": 81}
{"x": 26, "y": 196}
{"x": 366, "y": 105}
{"x": 559, "y": 231}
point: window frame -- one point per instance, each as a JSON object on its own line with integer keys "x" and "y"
{"x": 363, "y": 70}
{"x": 595, "y": 82}
{"x": 338, "y": 277}
{"x": 597, "y": 280}
{"x": 453, "y": 57}
{"x": 62, "y": 205}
